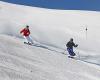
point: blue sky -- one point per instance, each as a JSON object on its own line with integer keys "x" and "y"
{"x": 61, "y": 4}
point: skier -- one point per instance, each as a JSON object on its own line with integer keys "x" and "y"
{"x": 26, "y": 34}
{"x": 70, "y": 46}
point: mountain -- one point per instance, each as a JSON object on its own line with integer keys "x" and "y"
{"x": 51, "y": 29}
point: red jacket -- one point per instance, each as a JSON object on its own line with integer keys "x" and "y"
{"x": 26, "y": 32}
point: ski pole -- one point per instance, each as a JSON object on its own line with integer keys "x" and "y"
{"x": 64, "y": 51}
{"x": 78, "y": 55}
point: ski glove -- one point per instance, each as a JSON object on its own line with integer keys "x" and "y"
{"x": 76, "y": 45}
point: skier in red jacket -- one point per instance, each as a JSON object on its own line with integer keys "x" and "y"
{"x": 26, "y": 33}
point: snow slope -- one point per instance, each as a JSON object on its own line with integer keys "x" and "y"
{"x": 22, "y": 62}
{"x": 52, "y": 29}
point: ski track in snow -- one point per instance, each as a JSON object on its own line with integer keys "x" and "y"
{"x": 13, "y": 67}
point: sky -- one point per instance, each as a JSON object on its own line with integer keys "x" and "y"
{"x": 93, "y": 5}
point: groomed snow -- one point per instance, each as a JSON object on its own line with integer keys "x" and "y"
{"x": 52, "y": 29}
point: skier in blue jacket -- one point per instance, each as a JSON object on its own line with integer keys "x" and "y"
{"x": 70, "y": 46}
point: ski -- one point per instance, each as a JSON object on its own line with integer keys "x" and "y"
{"x": 27, "y": 43}
{"x": 72, "y": 57}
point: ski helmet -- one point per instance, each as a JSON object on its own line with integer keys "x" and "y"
{"x": 71, "y": 39}
{"x": 27, "y": 26}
